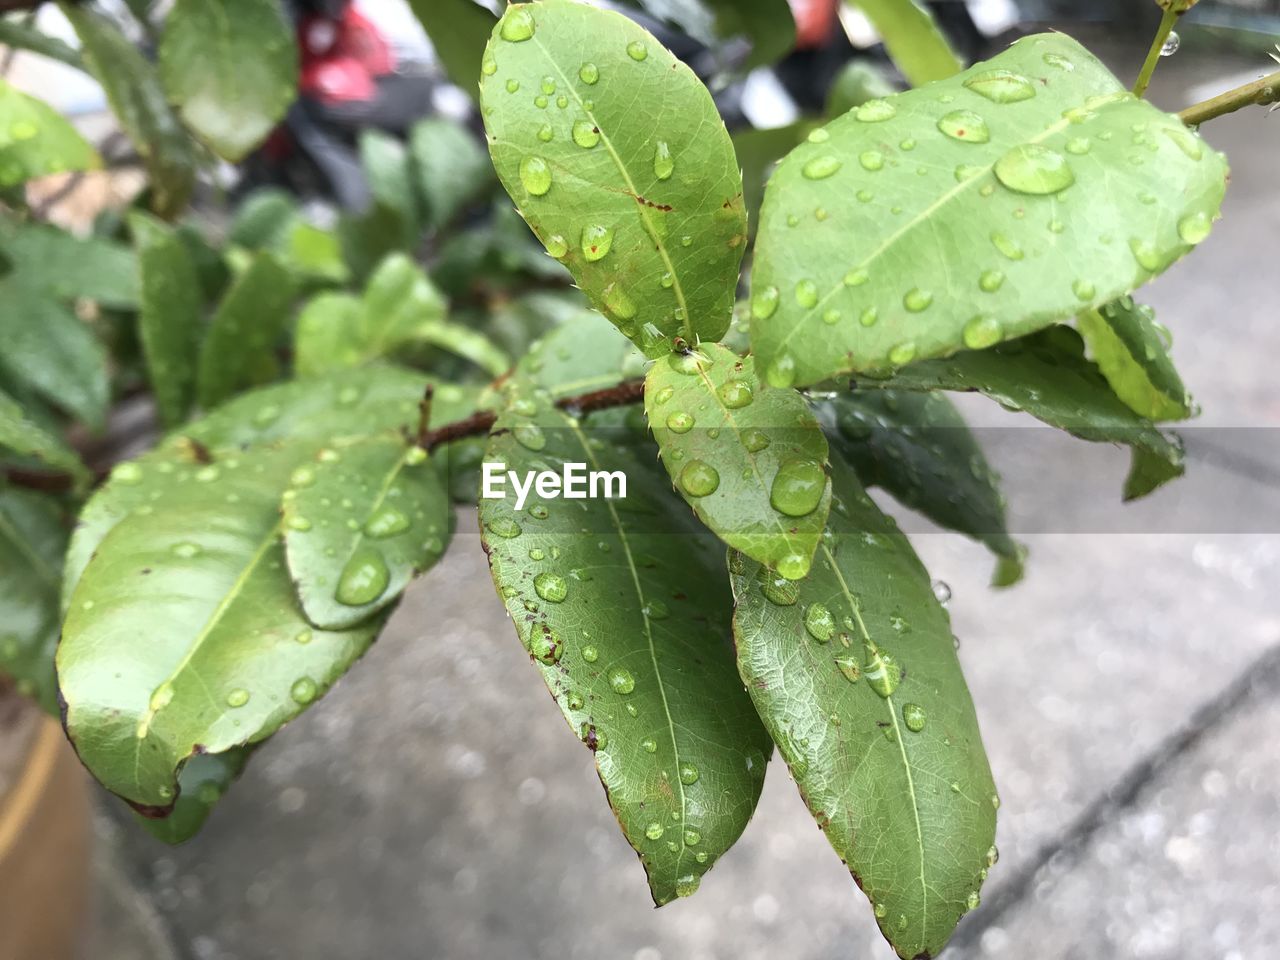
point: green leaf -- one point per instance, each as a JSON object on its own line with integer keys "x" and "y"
{"x": 496, "y": 256}
{"x": 930, "y": 226}
{"x": 369, "y": 238}
{"x": 917, "y": 447}
{"x": 915, "y": 43}
{"x": 758, "y": 153}
{"x": 452, "y": 170}
{"x": 28, "y": 439}
{"x": 458, "y": 30}
{"x": 239, "y": 349}
{"x": 748, "y": 460}
{"x": 622, "y": 606}
{"x": 48, "y": 348}
{"x": 644, "y": 203}
{"x": 18, "y": 34}
{"x": 312, "y": 253}
{"x": 66, "y": 267}
{"x": 201, "y": 784}
{"x": 39, "y": 140}
{"x": 854, "y": 672}
{"x": 232, "y": 69}
{"x": 766, "y": 24}
{"x": 33, "y": 536}
{"x": 1127, "y": 345}
{"x": 200, "y": 582}
{"x": 263, "y": 220}
{"x": 584, "y": 354}
{"x": 1047, "y": 376}
{"x": 360, "y": 523}
{"x": 139, "y": 103}
{"x": 466, "y": 343}
{"x": 386, "y": 164}
{"x": 170, "y": 323}
{"x": 856, "y": 83}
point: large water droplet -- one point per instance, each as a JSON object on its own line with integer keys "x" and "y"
{"x": 782, "y": 371}
{"x": 557, "y": 246}
{"x": 1194, "y": 228}
{"x": 637, "y": 51}
{"x": 764, "y": 303}
{"x": 688, "y": 774}
{"x": 1031, "y": 168}
{"x": 238, "y": 697}
{"x": 517, "y": 25}
{"x": 551, "y": 587}
{"x": 618, "y": 302}
{"x": 755, "y": 440}
{"x": 503, "y": 527}
{"x": 386, "y": 521}
{"x": 621, "y": 680}
{"x": 545, "y": 643}
{"x": 535, "y": 175}
{"x": 819, "y": 622}
{"x": 585, "y": 134}
{"x": 1001, "y": 86}
{"x": 1171, "y": 44}
{"x": 680, "y": 422}
{"x": 699, "y": 478}
{"x": 821, "y": 167}
{"x": 778, "y": 590}
{"x": 913, "y": 716}
{"x": 876, "y": 111}
{"x": 597, "y": 241}
{"x": 917, "y": 300}
{"x": 687, "y": 885}
{"x": 794, "y": 566}
{"x": 982, "y": 332}
{"x": 1007, "y": 247}
{"x": 364, "y": 579}
{"x": 850, "y": 667}
{"x": 872, "y": 160}
{"x": 797, "y": 487}
{"x": 663, "y": 165}
{"x": 1148, "y": 255}
{"x": 966, "y": 126}
{"x": 530, "y": 436}
{"x": 882, "y": 671}
{"x": 807, "y": 294}
{"x": 655, "y": 830}
{"x": 303, "y": 691}
{"x": 735, "y": 394}
{"x": 902, "y": 354}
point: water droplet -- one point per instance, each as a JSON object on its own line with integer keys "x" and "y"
{"x": 557, "y": 246}
{"x": 991, "y": 281}
{"x": 551, "y": 587}
{"x": 545, "y": 133}
{"x": 663, "y": 165}
{"x": 735, "y": 394}
{"x": 127, "y": 473}
{"x": 590, "y": 653}
{"x": 1194, "y": 228}
{"x": 850, "y": 667}
{"x": 545, "y": 643}
{"x": 1186, "y": 141}
{"x": 530, "y": 436}
{"x": 973, "y": 901}
{"x": 755, "y": 440}
{"x": 597, "y": 241}
{"x": 876, "y": 111}
{"x": 807, "y": 294}
{"x": 1031, "y": 168}
{"x": 589, "y": 73}
{"x": 913, "y": 716}
{"x": 503, "y": 527}
{"x": 688, "y": 774}
{"x": 1059, "y": 61}
{"x": 621, "y": 680}
{"x": 535, "y": 175}
{"x": 618, "y": 302}
{"x": 414, "y": 456}
{"x": 517, "y": 25}
{"x": 303, "y": 691}
{"x": 301, "y": 524}
{"x": 699, "y": 478}
{"x": 798, "y": 487}
{"x": 1078, "y": 146}
{"x": 654, "y": 831}
{"x": 902, "y": 354}
{"x": 1084, "y": 290}
{"x": 781, "y": 372}
{"x": 1148, "y": 257}
{"x": 1171, "y": 44}
{"x": 489, "y": 67}
{"x": 687, "y": 886}
{"x": 869, "y": 317}
{"x": 387, "y": 521}
{"x": 821, "y": 135}
{"x": 778, "y": 590}
{"x": 881, "y": 911}
{"x": 882, "y": 671}
{"x": 692, "y": 838}
{"x": 966, "y": 126}
{"x": 1001, "y": 86}
{"x": 856, "y": 277}
{"x": 993, "y": 856}
{"x": 764, "y": 303}
{"x": 637, "y": 51}
{"x": 185, "y": 551}
{"x": 680, "y": 422}
{"x": 1008, "y": 248}
{"x": 820, "y": 167}
{"x": 982, "y": 332}
{"x": 585, "y": 134}
{"x": 917, "y": 301}
{"x": 819, "y": 622}
{"x": 540, "y": 102}
{"x": 513, "y": 86}
{"x": 872, "y": 160}
{"x": 237, "y": 697}
{"x": 364, "y": 579}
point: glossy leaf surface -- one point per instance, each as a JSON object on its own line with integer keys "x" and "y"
{"x": 980, "y": 208}
{"x": 360, "y": 523}
{"x": 614, "y": 153}
{"x": 1131, "y": 351}
{"x": 855, "y": 674}
{"x": 232, "y": 69}
{"x": 1048, "y": 376}
{"x": 622, "y": 605}
{"x": 917, "y": 447}
{"x": 749, "y": 460}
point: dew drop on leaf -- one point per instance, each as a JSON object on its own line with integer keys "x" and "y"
{"x": 876, "y": 111}
{"x": 535, "y": 175}
{"x": 303, "y": 691}
{"x": 965, "y": 126}
{"x": 596, "y": 242}
{"x": 1001, "y": 86}
{"x": 699, "y": 478}
{"x": 797, "y": 487}
{"x": 589, "y": 73}
{"x": 364, "y": 579}
{"x": 551, "y": 587}
{"x": 663, "y": 165}
{"x": 1032, "y": 169}
{"x": 637, "y": 51}
{"x": 821, "y": 167}
{"x": 585, "y": 134}
{"x": 819, "y": 622}
{"x": 517, "y": 25}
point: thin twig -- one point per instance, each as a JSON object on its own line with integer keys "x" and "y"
{"x": 1261, "y": 92}
{"x": 1167, "y": 23}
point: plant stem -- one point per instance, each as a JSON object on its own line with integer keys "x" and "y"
{"x": 1153, "y": 55}
{"x": 1259, "y": 93}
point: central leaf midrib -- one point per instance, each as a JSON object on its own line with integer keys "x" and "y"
{"x": 676, "y": 286}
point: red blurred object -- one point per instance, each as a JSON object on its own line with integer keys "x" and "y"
{"x": 815, "y": 19}
{"x": 342, "y": 58}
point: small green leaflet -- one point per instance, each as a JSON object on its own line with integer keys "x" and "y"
{"x": 980, "y": 208}
{"x": 68, "y": 268}
{"x": 854, "y": 672}
{"x": 171, "y": 318}
{"x": 1047, "y": 376}
{"x": 622, "y": 605}
{"x": 387, "y": 167}
{"x": 231, "y": 67}
{"x": 451, "y": 169}
{"x": 203, "y": 781}
{"x": 40, "y": 141}
{"x": 614, "y": 153}
{"x": 750, "y": 461}
{"x": 27, "y": 438}
{"x": 458, "y": 30}
{"x": 915, "y": 43}
{"x": 360, "y": 522}
{"x": 1130, "y": 349}
{"x": 918, "y": 448}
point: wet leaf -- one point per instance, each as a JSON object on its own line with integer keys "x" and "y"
{"x": 1126, "y": 343}
{"x": 66, "y": 267}
{"x": 916, "y": 44}
{"x": 749, "y": 460}
{"x": 386, "y": 164}
{"x": 232, "y": 69}
{"x": 1031, "y": 178}
{"x": 360, "y": 523}
{"x": 622, "y": 606}
{"x": 170, "y": 322}
{"x": 615, "y": 155}
{"x": 40, "y": 140}
{"x": 1048, "y": 376}
{"x": 201, "y": 785}
{"x": 458, "y": 30}
{"x": 854, "y": 672}
{"x": 917, "y": 447}
{"x": 27, "y": 438}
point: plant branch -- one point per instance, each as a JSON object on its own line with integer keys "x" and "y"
{"x": 1259, "y": 93}
{"x": 1167, "y": 23}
